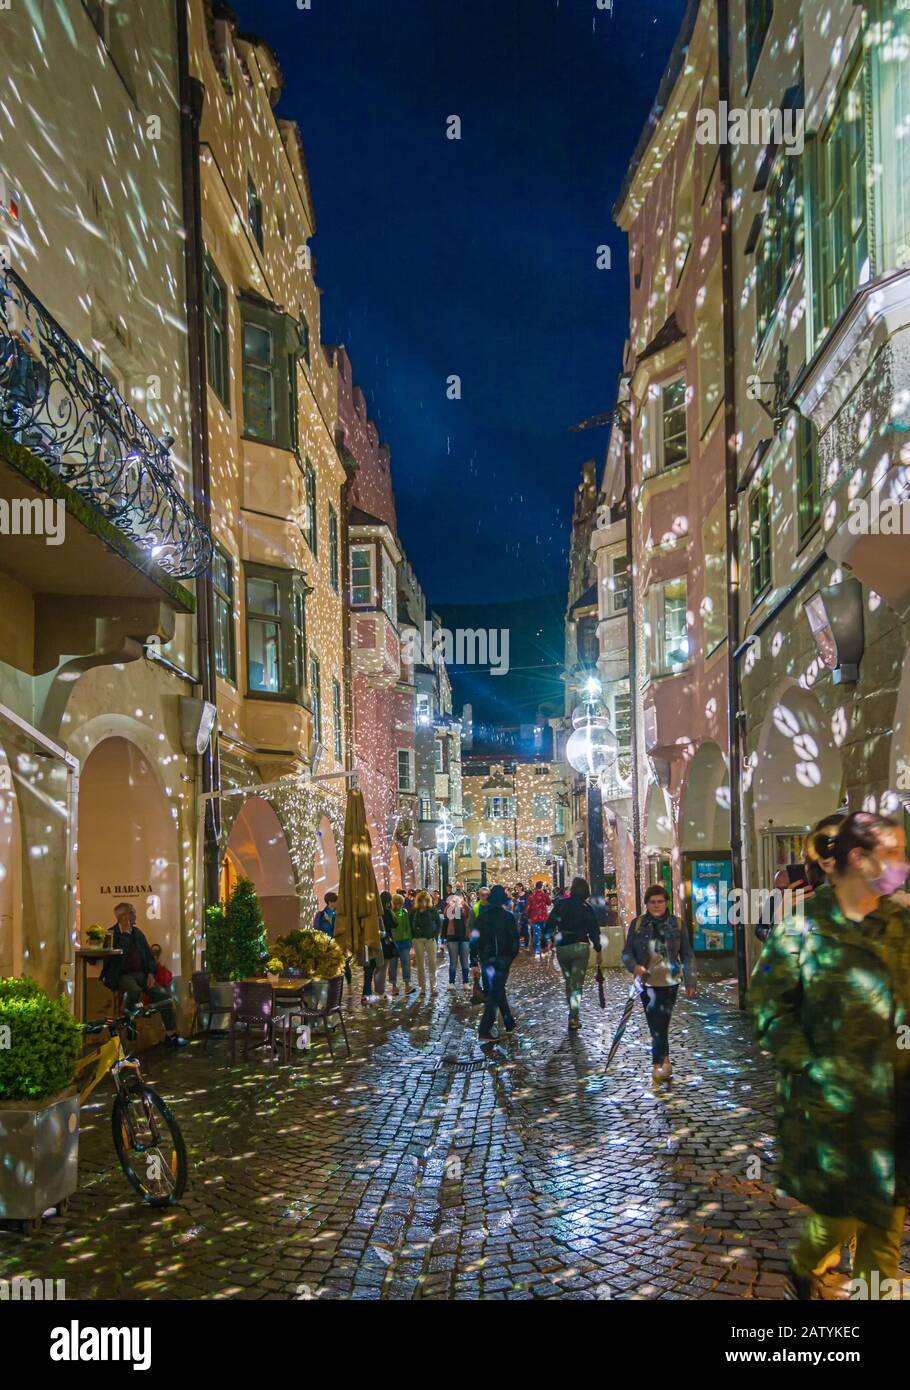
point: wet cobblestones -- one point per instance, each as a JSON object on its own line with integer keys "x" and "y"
{"x": 428, "y": 1167}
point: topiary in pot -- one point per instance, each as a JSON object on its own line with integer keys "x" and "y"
{"x": 235, "y": 944}
{"x": 39, "y": 1042}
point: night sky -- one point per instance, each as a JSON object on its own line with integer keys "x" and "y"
{"x": 474, "y": 257}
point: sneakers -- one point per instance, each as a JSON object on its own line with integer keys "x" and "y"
{"x": 453, "y": 988}
{"x": 175, "y": 1040}
{"x": 410, "y": 989}
{"x": 574, "y": 1024}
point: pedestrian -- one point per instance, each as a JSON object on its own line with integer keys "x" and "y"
{"x": 830, "y": 1000}
{"x": 520, "y": 904}
{"x": 456, "y": 913}
{"x": 388, "y": 950}
{"x": 538, "y": 910}
{"x": 424, "y": 934}
{"x": 324, "y": 920}
{"x": 658, "y": 952}
{"x": 401, "y": 938}
{"x": 480, "y": 901}
{"x": 494, "y": 945}
{"x": 574, "y": 927}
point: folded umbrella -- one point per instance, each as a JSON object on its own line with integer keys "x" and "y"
{"x": 601, "y": 992}
{"x": 358, "y": 910}
{"x": 629, "y": 1005}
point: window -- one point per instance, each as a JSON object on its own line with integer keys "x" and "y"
{"x": 259, "y": 381}
{"x": 405, "y": 769}
{"x": 269, "y": 375}
{"x": 780, "y": 241}
{"x": 674, "y": 447}
{"x": 423, "y": 709}
{"x": 619, "y": 583}
{"x": 809, "y": 499}
{"x": 310, "y": 514}
{"x": 843, "y": 223}
{"x": 500, "y": 808}
{"x": 710, "y": 349}
{"x": 541, "y": 845}
{"x": 254, "y": 211}
{"x": 111, "y": 22}
{"x": 216, "y": 332}
{"x": 670, "y": 632}
{"x": 758, "y": 18}
{"x": 682, "y": 241}
{"x": 465, "y": 849}
{"x": 559, "y": 821}
{"x": 389, "y": 587}
{"x": 622, "y": 718}
{"x": 223, "y": 585}
{"x": 275, "y": 632}
{"x": 334, "y": 579}
{"x": 337, "y": 741}
{"x": 466, "y": 805}
{"x": 264, "y": 650}
{"x": 424, "y": 808}
{"x": 541, "y": 806}
{"x": 303, "y": 330}
{"x": 362, "y": 576}
{"x": 760, "y": 538}
{"x": 316, "y": 696}
{"x": 439, "y": 756}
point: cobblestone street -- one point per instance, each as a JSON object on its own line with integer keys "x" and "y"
{"x": 429, "y": 1167}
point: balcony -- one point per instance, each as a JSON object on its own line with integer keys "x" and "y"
{"x": 69, "y": 433}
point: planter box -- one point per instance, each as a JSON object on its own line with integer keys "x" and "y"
{"x": 39, "y": 1144}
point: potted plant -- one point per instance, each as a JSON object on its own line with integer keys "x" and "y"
{"x": 312, "y": 954}
{"x": 95, "y": 935}
{"x": 273, "y": 968}
{"x": 39, "y": 1106}
{"x": 235, "y": 944}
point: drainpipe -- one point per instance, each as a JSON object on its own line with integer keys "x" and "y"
{"x": 633, "y": 667}
{"x": 192, "y": 96}
{"x": 734, "y": 734}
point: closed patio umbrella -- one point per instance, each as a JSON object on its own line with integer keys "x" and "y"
{"x": 357, "y": 911}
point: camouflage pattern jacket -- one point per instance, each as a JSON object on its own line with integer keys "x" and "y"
{"x": 830, "y": 1000}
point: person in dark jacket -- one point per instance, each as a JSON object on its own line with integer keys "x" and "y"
{"x": 574, "y": 929}
{"x": 494, "y": 945}
{"x": 456, "y": 919}
{"x": 424, "y": 935}
{"x": 133, "y": 973}
{"x": 659, "y": 953}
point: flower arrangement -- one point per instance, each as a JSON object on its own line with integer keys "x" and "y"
{"x": 312, "y": 953}
{"x": 95, "y": 935}
{"x": 274, "y": 966}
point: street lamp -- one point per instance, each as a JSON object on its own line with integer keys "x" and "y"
{"x": 591, "y": 749}
{"x": 445, "y": 841}
{"x": 483, "y": 853}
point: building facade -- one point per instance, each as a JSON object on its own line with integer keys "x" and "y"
{"x": 97, "y": 635}
{"x": 515, "y": 818}
{"x": 278, "y": 485}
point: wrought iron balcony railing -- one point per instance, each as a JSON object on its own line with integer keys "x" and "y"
{"x": 55, "y": 402}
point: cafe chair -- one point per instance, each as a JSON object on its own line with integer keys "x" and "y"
{"x": 310, "y": 1016}
{"x": 253, "y": 1009}
{"x": 201, "y": 992}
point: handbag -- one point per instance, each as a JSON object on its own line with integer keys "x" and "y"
{"x": 389, "y": 949}
{"x": 477, "y": 994}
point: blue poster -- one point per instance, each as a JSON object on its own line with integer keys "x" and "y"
{"x": 712, "y": 881}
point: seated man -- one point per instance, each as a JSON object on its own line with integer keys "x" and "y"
{"x": 133, "y": 973}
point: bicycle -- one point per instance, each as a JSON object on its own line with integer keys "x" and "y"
{"x": 147, "y": 1138}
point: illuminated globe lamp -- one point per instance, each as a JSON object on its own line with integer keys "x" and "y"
{"x": 591, "y": 747}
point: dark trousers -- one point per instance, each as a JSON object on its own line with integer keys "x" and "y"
{"x": 658, "y": 1005}
{"x": 495, "y": 973}
{"x": 133, "y": 987}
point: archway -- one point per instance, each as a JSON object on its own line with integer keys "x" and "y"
{"x": 657, "y": 850}
{"x": 796, "y": 778}
{"x": 705, "y": 820}
{"x": 128, "y": 847}
{"x": 257, "y": 849}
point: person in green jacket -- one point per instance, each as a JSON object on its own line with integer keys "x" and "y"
{"x": 425, "y": 934}
{"x": 830, "y": 1000}
{"x": 401, "y": 936}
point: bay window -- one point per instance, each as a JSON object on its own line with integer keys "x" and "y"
{"x": 275, "y": 632}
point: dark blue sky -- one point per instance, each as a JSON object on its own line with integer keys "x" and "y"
{"x": 474, "y": 257}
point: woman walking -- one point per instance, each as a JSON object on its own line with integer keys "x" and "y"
{"x": 457, "y": 916}
{"x": 659, "y": 954}
{"x": 830, "y": 999}
{"x": 425, "y": 933}
{"x": 401, "y": 938}
{"x": 574, "y": 929}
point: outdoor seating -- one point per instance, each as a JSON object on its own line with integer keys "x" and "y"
{"x": 252, "y": 1008}
{"x": 304, "y": 1017}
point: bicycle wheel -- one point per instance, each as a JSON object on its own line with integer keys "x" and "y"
{"x": 149, "y": 1145}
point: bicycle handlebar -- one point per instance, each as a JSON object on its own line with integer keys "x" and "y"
{"x": 144, "y": 1011}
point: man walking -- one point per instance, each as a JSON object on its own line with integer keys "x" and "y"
{"x": 494, "y": 945}
{"x": 133, "y": 973}
{"x": 538, "y": 911}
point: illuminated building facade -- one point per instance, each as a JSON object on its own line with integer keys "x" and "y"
{"x": 670, "y": 207}
{"x": 518, "y": 811}
{"x": 278, "y": 483}
{"x": 822, "y": 317}
{"x": 97, "y": 636}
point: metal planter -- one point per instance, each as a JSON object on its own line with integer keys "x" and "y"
{"x": 39, "y": 1155}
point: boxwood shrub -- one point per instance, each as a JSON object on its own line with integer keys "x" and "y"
{"x": 39, "y": 1042}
